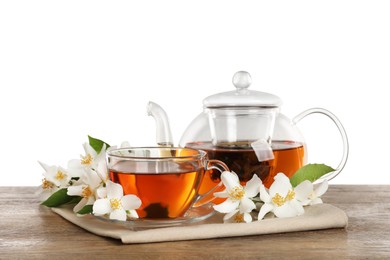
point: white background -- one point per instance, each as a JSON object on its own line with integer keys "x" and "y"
{"x": 73, "y": 68}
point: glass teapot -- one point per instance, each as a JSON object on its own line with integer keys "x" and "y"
{"x": 245, "y": 129}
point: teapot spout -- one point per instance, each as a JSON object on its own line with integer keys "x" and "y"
{"x": 163, "y": 130}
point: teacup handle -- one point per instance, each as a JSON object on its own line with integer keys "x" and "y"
{"x": 210, "y": 165}
{"x": 341, "y": 129}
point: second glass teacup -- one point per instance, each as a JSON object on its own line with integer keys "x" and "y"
{"x": 166, "y": 179}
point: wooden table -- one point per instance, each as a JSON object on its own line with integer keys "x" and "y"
{"x": 28, "y": 230}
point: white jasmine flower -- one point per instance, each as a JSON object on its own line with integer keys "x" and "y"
{"x": 90, "y": 160}
{"x": 54, "y": 178}
{"x": 238, "y": 197}
{"x": 115, "y": 204}
{"x": 314, "y": 194}
{"x": 91, "y": 181}
{"x": 55, "y": 175}
{"x": 282, "y": 199}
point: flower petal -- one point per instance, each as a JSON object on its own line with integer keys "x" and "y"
{"x": 281, "y": 177}
{"x": 132, "y": 213}
{"x": 321, "y": 188}
{"x": 89, "y": 150}
{"x": 298, "y": 207}
{"x": 285, "y": 211}
{"x": 101, "y": 207}
{"x": 281, "y": 185}
{"x": 118, "y": 214}
{"x": 229, "y": 215}
{"x": 303, "y": 191}
{"x": 267, "y": 207}
{"x": 44, "y": 166}
{"x": 252, "y": 187}
{"x": 246, "y": 205}
{"x": 100, "y": 158}
{"x": 101, "y": 192}
{"x": 92, "y": 179}
{"x": 227, "y": 206}
{"x": 101, "y": 170}
{"x": 130, "y": 202}
{"x": 264, "y": 196}
{"x": 221, "y": 194}
{"x": 114, "y": 190}
{"x": 290, "y": 209}
{"x": 125, "y": 144}
{"x": 75, "y": 190}
{"x": 316, "y": 201}
{"x": 247, "y": 217}
{"x": 75, "y": 169}
{"x": 230, "y": 180}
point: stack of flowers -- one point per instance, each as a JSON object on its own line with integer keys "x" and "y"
{"x": 85, "y": 183}
{"x": 281, "y": 199}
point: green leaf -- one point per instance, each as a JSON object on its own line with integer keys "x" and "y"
{"x": 97, "y": 144}
{"x": 58, "y": 198}
{"x": 75, "y": 200}
{"x": 87, "y": 209}
{"x": 310, "y": 172}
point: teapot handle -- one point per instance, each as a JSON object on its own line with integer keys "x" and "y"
{"x": 341, "y": 129}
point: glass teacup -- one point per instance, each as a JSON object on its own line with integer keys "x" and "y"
{"x": 166, "y": 179}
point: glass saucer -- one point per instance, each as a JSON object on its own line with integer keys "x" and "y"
{"x": 193, "y": 215}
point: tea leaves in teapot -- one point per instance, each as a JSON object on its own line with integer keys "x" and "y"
{"x": 310, "y": 172}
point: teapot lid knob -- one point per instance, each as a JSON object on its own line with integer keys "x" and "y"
{"x": 242, "y": 80}
{"x": 242, "y": 96}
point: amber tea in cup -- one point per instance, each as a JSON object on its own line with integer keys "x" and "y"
{"x": 166, "y": 179}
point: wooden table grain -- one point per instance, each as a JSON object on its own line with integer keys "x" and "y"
{"x": 28, "y": 230}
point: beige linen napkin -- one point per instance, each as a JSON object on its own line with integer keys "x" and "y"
{"x": 320, "y": 216}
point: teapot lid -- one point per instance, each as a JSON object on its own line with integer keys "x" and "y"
{"x": 242, "y": 96}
